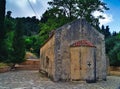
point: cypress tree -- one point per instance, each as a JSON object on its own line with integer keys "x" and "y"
{"x": 2, "y": 17}
{"x": 18, "y": 45}
{"x": 3, "y": 52}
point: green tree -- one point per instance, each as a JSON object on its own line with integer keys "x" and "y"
{"x": 106, "y": 31}
{"x": 65, "y": 7}
{"x": 9, "y": 27}
{"x": 2, "y": 17}
{"x": 118, "y": 35}
{"x": 114, "y": 55}
{"x": 2, "y": 31}
{"x": 32, "y": 44}
{"x": 28, "y": 43}
{"x": 80, "y": 9}
{"x": 18, "y": 53}
{"x": 113, "y": 50}
{"x": 87, "y": 7}
{"x": 50, "y": 21}
{"x": 9, "y": 22}
{"x": 114, "y": 33}
{"x": 8, "y": 14}
{"x": 110, "y": 43}
{"x": 30, "y": 25}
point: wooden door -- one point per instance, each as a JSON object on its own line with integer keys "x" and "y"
{"x": 83, "y": 62}
{"x": 75, "y": 67}
{"x": 78, "y": 63}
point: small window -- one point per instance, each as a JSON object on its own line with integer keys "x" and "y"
{"x": 47, "y": 61}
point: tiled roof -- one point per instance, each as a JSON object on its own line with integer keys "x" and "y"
{"x": 85, "y": 43}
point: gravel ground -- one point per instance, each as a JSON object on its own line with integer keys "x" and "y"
{"x": 34, "y": 80}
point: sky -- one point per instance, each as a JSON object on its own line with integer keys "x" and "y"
{"x": 22, "y": 8}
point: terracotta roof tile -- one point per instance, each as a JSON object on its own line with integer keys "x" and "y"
{"x": 82, "y": 43}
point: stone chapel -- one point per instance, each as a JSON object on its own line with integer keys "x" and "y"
{"x": 75, "y": 51}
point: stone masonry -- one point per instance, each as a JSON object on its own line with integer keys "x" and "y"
{"x": 61, "y": 61}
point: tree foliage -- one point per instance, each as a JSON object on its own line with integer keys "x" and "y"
{"x": 64, "y": 7}
{"x": 3, "y": 51}
{"x": 2, "y": 17}
{"x": 106, "y": 31}
{"x": 32, "y": 44}
{"x": 30, "y": 25}
{"x": 114, "y": 55}
{"x": 9, "y": 28}
{"x": 18, "y": 52}
{"x": 113, "y": 50}
{"x": 87, "y": 7}
{"x": 50, "y": 21}
{"x": 79, "y": 9}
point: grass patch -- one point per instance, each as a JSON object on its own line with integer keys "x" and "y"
{"x": 2, "y": 65}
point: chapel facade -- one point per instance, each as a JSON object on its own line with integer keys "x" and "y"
{"x": 75, "y": 51}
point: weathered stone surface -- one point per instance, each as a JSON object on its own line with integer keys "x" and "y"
{"x": 33, "y": 80}
{"x": 47, "y": 57}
